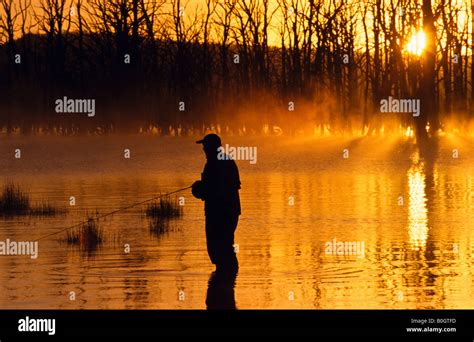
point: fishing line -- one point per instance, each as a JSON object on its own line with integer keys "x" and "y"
{"x": 116, "y": 211}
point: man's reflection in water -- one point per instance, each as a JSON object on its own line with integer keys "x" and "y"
{"x": 220, "y": 293}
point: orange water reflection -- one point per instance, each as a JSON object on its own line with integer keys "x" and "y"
{"x": 417, "y": 255}
{"x": 417, "y": 210}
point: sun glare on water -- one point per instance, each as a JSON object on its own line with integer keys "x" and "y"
{"x": 416, "y": 44}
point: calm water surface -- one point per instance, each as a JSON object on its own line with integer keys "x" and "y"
{"x": 415, "y": 219}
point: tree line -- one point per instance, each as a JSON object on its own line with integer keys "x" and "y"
{"x": 248, "y": 65}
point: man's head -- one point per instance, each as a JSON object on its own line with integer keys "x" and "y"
{"x": 210, "y": 144}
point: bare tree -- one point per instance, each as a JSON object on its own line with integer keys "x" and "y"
{"x": 428, "y": 92}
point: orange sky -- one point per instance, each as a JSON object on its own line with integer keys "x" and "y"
{"x": 193, "y": 7}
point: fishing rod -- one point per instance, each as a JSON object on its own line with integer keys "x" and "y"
{"x": 116, "y": 211}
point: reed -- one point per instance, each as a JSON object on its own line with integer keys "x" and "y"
{"x": 45, "y": 209}
{"x": 165, "y": 208}
{"x": 88, "y": 236}
{"x": 16, "y": 202}
{"x": 159, "y": 226}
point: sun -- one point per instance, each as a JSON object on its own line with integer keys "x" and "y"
{"x": 416, "y": 44}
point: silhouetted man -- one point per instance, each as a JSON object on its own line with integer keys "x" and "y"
{"x": 219, "y": 189}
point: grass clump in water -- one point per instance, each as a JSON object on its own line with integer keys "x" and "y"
{"x": 13, "y": 201}
{"x": 159, "y": 226}
{"x": 45, "y": 209}
{"x": 160, "y": 214}
{"x": 88, "y": 236}
{"x": 16, "y": 202}
{"x": 165, "y": 208}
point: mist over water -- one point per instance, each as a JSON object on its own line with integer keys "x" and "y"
{"x": 418, "y": 252}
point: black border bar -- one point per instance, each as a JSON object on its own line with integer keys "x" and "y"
{"x": 329, "y": 323}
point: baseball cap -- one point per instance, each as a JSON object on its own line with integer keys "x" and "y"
{"x": 210, "y": 140}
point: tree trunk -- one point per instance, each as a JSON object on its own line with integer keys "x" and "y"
{"x": 429, "y": 112}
